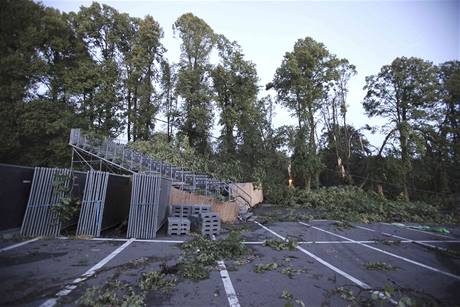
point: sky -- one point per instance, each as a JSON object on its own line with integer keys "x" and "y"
{"x": 369, "y": 34}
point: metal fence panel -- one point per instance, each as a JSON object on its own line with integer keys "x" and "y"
{"x": 39, "y": 218}
{"x": 146, "y": 215}
{"x": 92, "y": 206}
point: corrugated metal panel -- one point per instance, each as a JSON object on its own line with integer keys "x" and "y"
{"x": 39, "y": 219}
{"x": 92, "y": 206}
{"x": 149, "y": 205}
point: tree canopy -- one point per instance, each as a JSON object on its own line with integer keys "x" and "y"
{"x": 105, "y": 71}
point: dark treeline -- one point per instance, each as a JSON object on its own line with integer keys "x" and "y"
{"x": 105, "y": 71}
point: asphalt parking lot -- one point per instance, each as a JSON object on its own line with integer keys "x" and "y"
{"x": 331, "y": 266}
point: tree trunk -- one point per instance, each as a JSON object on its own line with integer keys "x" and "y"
{"x": 405, "y": 157}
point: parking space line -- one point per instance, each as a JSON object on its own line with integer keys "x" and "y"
{"x": 228, "y": 286}
{"x": 387, "y": 253}
{"x": 405, "y": 239}
{"x": 417, "y": 230}
{"x": 356, "y": 281}
{"x": 18, "y": 244}
{"x": 323, "y": 262}
{"x": 70, "y": 287}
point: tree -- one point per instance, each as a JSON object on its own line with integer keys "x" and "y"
{"x": 301, "y": 83}
{"x": 401, "y": 93}
{"x": 168, "y": 96}
{"x": 334, "y": 110}
{"x": 193, "y": 86}
{"x": 20, "y": 35}
{"x": 148, "y": 54}
{"x": 235, "y": 86}
{"x": 100, "y": 28}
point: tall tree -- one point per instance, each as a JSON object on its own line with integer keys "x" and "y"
{"x": 99, "y": 27}
{"x": 301, "y": 82}
{"x": 334, "y": 111}
{"x": 20, "y": 66}
{"x": 148, "y": 53}
{"x": 235, "y": 85}
{"x": 198, "y": 39}
{"x": 168, "y": 96}
{"x": 401, "y": 93}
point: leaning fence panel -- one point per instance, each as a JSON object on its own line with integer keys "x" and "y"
{"x": 92, "y": 207}
{"x": 149, "y": 205}
{"x": 49, "y": 186}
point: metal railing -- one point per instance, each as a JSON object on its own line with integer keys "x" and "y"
{"x": 130, "y": 160}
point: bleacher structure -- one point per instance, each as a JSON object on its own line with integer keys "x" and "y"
{"x": 97, "y": 152}
{"x": 123, "y": 174}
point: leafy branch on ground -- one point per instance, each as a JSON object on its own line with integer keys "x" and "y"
{"x": 342, "y": 225}
{"x": 380, "y": 266}
{"x": 261, "y": 268}
{"x": 350, "y": 203}
{"x": 201, "y": 254}
{"x": 281, "y": 245}
{"x": 290, "y": 300}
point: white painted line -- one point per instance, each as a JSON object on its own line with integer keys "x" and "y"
{"x": 438, "y": 241}
{"x": 387, "y": 253}
{"x": 427, "y": 232}
{"x": 109, "y": 239}
{"x": 327, "y": 264}
{"x": 405, "y": 239}
{"x": 228, "y": 286}
{"x": 358, "y": 282}
{"x": 159, "y": 241}
{"x": 70, "y": 287}
{"x": 18, "y": 244}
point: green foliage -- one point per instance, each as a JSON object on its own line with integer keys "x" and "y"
{"x": 281, "y": 245}
{"x": 349, "y": 203}
{"x": 291, "y": 272}
{"x": 289, "y": 298}
{"x": 193, "y": 86}
{"x": 67, "y": 207}
{"x": 380, "y": 266}
{"x": 113, "y": 293}
{"x": 402, "y": 93}
{"x": 156, "y": 281}
{"x": 261, "y": 268}
{"x": 201, "y": 253}
{"x": 301, "y": 82}
{"x": 341, "y": 225}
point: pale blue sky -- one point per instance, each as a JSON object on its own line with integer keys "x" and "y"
{"x": 369, "y": 34}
